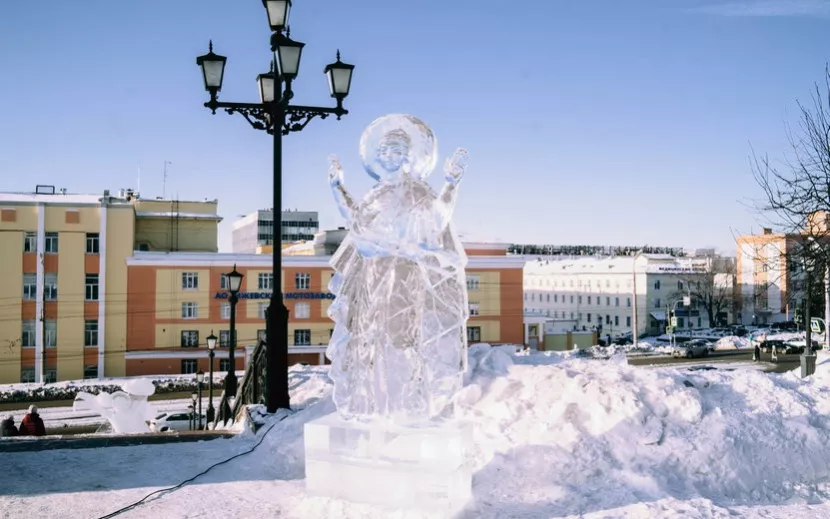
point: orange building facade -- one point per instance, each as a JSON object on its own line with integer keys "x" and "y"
{"x": 175, "y": 300}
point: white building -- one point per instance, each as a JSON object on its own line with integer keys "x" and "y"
{"x": 257, "y": 229}
{"x": 576, "y": 293}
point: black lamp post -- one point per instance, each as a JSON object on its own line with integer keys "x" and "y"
{"x": 200, "y": 377}
{"x": 192, "y": 408}
{"x": 234, "y": 283}
{"x": 211, "y": 344}
{"x": 277, "y": 116}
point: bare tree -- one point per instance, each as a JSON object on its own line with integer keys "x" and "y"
{"x": 796, "y": 196}
{"x": 711, "y": 285}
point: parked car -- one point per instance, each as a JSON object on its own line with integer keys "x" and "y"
{"x": 780, "y": 346}
{"x": 692, "y": 349}
{"x": 175, "y": 421}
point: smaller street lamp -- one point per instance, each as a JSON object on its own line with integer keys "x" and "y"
{"x": 277, "y": 13}
{"x": 211, "y": 344}
{"x": 213, "y": 70}
{"x": 234, "y": 283}
{"x": 192, "y": 408}
{"x": 200, "y": 377}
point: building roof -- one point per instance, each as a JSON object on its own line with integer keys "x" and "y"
{"x": 168, "y": 215}
{"x": 58, "y": 198}
{"x": 646, "y": 263}
{"x": 263, "y": 261}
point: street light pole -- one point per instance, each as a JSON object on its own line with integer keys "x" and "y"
{"x": 200, "y": 376}
{"x": 211, "y": 344}
{"x": 275, "y": 115}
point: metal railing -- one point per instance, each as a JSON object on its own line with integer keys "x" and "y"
{"x": 251, "y": 389}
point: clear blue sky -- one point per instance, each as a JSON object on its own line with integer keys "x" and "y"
{"x": 587, "y": 121}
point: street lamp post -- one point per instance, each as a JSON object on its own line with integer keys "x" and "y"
{"x": 808, "y": 358}
{"x": 277, "y": 116}
{"x": 200, "y": 377}
{"x": 192, "y": 406}
{"x": 211, "y": 344}
{"x": 234, "y": 284}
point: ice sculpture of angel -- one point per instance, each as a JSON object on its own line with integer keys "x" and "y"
{"x": 127, "y": 411}
{"x": 399, "y": 347}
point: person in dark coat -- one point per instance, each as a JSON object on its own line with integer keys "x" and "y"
{"x": 7, "y": 427}
{"x": 32, "y": 423}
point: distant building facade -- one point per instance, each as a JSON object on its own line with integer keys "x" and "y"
{"x": 597, "y": 293}
{"x": 254, "y": 233}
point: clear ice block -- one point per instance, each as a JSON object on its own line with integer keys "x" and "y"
{"x": 424, "y": 468}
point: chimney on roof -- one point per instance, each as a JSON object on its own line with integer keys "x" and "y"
{"x": 767, "y": 231}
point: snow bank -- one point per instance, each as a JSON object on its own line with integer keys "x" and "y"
{"x": 557, "y": 435}
{"x": 733, "y": 343}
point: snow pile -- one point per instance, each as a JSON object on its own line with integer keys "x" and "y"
{"x": 556, "y": 436}
{"x": 733, "y": 342}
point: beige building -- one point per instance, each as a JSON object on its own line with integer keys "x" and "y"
{"x": 63, "y": 281}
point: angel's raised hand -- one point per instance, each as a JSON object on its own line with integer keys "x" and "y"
{"x": 456, "y": 165}
{"x": 335, "y": 171}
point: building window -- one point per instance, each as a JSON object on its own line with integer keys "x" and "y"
{"x": 533, "y": 297}
{"x": 224, "y": 364}
{"x": 474, "y": 308}
{"x": 190, "y": 339}
{"x": 579, "y": 299}
{"x": 657, "y": 285}
{"x": 628, "y": 321}
{"x": 473, "y": 282}
{"x": 628, "y": 302}
{"x": 91, "y": 332}
{"x": 474, "y": 334}
{"x": 572, "y": 299}
{"x": 607, "y": 301}
{"x": 616, "y": 301}
{"x": 51, "y": 243}
{"x": 224, "y": 338}
{"x": 302, "y": 310}
{"x": 555, "y": 298}
{"x": 50, "y": 334}
{"x": 225, "y": 310}
{"x": 265, "y": 281}
{"x": 189, "y": 366}
{"x": 27, "y": 334}
{"x": 190, "y": 280}
{"x": 92, "y": 244}
{"x": 92, "y": 287}
{"x": 547, "y": 297}
{"x": 30, "y": 242}
{"x": 29, "y": 287}
{"x": 681, "y": 322}
{"x": 261, "y": 336}
{"x": 50, "y": 287}
{"x": 579, "y": 317}
{"x": 572, "y": 315}
{"x": 589, "y": 318}
{"x": 302, "y": 281}
{"x": 589, "y": 300}
{"x": 51, "y": 376}
{"x": 262, "y": 306}
{"x": 616, "y": 320}
{"x": 302, "y": 337}
{"x": 190, "y": 310}
{"x": 224, "y": 282}
{"x": 657, "y": 303}
{"x": 599, "y": 320}
{"x": 680, "y": 285}
{"x": 698, "y": 323}
{"x": 27, "y": 375}
{"x": 90, "y": 371}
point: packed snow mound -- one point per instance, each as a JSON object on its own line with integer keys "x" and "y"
{"x": 558, "y": 435}
{"x": 733, "y": 342}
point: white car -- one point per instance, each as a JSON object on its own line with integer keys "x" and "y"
{"x": 691, "y": 349}
{"x": 174, "y": 421}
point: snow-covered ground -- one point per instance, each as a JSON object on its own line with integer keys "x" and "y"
{"x": 556, "y": 435}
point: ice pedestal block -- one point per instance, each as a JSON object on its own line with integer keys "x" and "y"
{"x": 400, "y": 467}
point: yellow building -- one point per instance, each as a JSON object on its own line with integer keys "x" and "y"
{"x": 63, "y": 281}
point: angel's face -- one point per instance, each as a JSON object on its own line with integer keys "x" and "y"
{"x": 393, "y": 153}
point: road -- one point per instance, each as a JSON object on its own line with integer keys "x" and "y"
{"x": 785, "y": 362}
